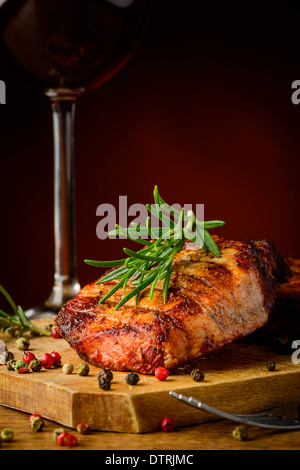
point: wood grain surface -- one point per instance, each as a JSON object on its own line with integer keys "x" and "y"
{"x": 236, "y": 379}
{"x": 215, "y": 435}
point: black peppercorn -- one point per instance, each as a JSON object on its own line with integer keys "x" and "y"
{"x": 104, "y": 383}
{"x": 107, "y": 374}
{"x": 271, "y": 366}
{"x": 133, "y": 378}
{"x": 198, "y": 375}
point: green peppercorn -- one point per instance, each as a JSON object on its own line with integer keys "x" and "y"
{"x": 7, "y": 435}
{"x": 83, "y": 369}
{"x": 6, "y": 356}
{"x": 37, "y": 424}
{"x": 104, "y": 383}
{"x": 22, "y": 343}
{"x": 198, "y": 375}
{"x": 35, "y": 365}
{"x": 57, "y": 432}
{"x": 11, "y": 364}
{"x": 106, "y": 373}
{"x": 240, "y": 433}
{"x": 20, "y": 365}
{"x": 133, "y": 378}
{"x": 271, "y": 366}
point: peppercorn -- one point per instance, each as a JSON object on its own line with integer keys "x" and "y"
{"x": 70, "y": 440}
{"x": 20, "y": 365}
{"x": 161, "y": 373}
{"x": 66, "y": 439}
{"x": 22, "y": 343}
{"x": 104, "y": 383}
{"x": 57, "y": 359}
{"x": 83, "y": 428}
{"x": 37, "y": 424}
{"x": 83, "y": 369}
{"x": 198, "y": 375}
{"x": 106, "y": 373}
{"x": 57, "y": 432}
{"x": 36, "y": 365}
{"x": 133, "y": 378}
{"x": 28, "y": 357}
{"x": 67, "y": 368}
{"x": 271, "y": 366}
{"x": 11, "y": 364}
{"x": 34, "y": 415}
{"x": 23, "y": 370}
{"x": 55, "y": 333}
{"x": 240, "y": 433}
{"x": 11, "y": 331}
{"x": 6, "y": 356}
{"x": 47, "y": 360}
{"x": 60, "y": 439}
{"x": 167, "y": 424}
{"x": 7, "y": 435}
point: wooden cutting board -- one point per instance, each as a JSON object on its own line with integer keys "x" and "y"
{"x": 236, "y": 380}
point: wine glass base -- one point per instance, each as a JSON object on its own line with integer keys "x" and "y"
{"x": 41, "y": 311}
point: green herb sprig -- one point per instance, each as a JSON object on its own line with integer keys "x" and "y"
{"x": 19, "y": 321}
{"x": 154, "y": 262}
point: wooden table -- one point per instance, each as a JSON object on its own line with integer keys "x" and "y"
{"x": 206, "y": 436}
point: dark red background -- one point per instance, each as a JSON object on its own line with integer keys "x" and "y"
{"x": 203, "y": 109}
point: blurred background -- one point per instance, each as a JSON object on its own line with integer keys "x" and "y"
{"x": 203, "y": 109}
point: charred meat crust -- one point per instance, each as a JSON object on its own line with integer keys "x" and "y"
{"x": 211, "y": 302}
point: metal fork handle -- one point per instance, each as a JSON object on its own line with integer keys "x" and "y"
{"x": 202, "y": 406}
{"x": 233, "y": 417}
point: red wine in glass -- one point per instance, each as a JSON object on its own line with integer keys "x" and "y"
{"x": 68, "y": 47}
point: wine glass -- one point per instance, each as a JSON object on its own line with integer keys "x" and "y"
{"x": 70, "y": 47}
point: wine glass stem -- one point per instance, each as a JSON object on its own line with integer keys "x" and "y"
{"x": 66, "y": 286}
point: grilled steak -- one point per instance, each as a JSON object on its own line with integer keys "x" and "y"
{"x": 284, "y": 319}
{"x": 211, "y": 302}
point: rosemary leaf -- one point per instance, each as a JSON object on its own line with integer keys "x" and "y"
{"x": 138, "y": 289}
{"x": 211, "y": 244}
{"x": 167, "y": 282}
{"x": 112, "y": 291}
{"x": 141, "y": 256}
{"x": 20, "y": 320}
{"x": 155, "y": 262}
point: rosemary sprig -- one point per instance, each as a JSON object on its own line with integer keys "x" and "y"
{"x": 154, "y": 262}
{"x": 19, "y": 321}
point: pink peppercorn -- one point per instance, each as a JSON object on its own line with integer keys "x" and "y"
{"x": 66, "y": 439}
{"x": 57, "y": 359}
{"x": 55, "y": 334}
{"x": 28, "y": 357}
{"x": 47, "y": 360}
{"x": 167, "y": 424}
{"x": 161, "y": 373}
